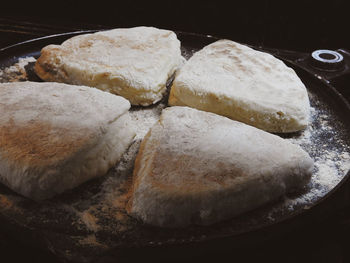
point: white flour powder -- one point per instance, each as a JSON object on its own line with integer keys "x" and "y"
{"x": 322, "y": 140}
{"x": 331, "y": 158}
{"x": 17, "y": 71}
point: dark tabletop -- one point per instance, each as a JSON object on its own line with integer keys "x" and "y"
{"x": 296, "y": 27}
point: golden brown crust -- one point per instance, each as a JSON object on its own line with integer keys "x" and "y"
{"x": 41, "y": 72}
{"x": 137, "y": 166}
{"x": 38, "y": 143}
{"x": 47, "y": 66}
{"x": 54, "y": 136}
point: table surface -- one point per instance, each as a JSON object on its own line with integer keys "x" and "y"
{"x": 324, "y": 241}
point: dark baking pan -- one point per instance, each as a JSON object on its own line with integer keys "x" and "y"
{"x": 89, "y": 223}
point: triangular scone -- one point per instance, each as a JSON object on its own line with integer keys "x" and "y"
{"x": 198, "y": 167}
{"x": 55, "y": 136}
{"x": 131, "y": 62}
{"x": 243, "y": 84}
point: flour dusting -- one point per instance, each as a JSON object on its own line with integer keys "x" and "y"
{"x": 323, "y": 141}
{"x": 97, "y": 209}
{"x": 145, "y": 118}
{"x": 17, "y": 71}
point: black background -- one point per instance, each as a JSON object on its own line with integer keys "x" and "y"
{"x": 294, "y": 25}
{"x": 297, "y": 25}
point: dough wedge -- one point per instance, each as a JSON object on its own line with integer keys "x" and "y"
{"x": 195, "y": 167}
{"x": 54, "y": 137}
{"x": 131, "y": 62}
{"x": 243, "y": 84}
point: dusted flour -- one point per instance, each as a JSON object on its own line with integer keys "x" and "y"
{"x": 96, "y": 210}
{"x": 16, "y": 72}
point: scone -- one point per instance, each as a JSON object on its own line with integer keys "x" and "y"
{"x": 54, "y": 136}
{"x": 131, "y": 62}
{"x": 196, "y": 167}
{"x": 243, "y": 84}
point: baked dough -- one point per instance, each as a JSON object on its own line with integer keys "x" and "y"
{"x": 196, "y": 167}
{"x": 131, "y": 62}
{"x": 53, "y": 136}
{"x": 243, "y": 84}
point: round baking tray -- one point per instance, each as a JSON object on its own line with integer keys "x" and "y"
{"x": 90, "y": 222}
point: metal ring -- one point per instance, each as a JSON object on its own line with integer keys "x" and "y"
{"x": 337, "y": 57}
